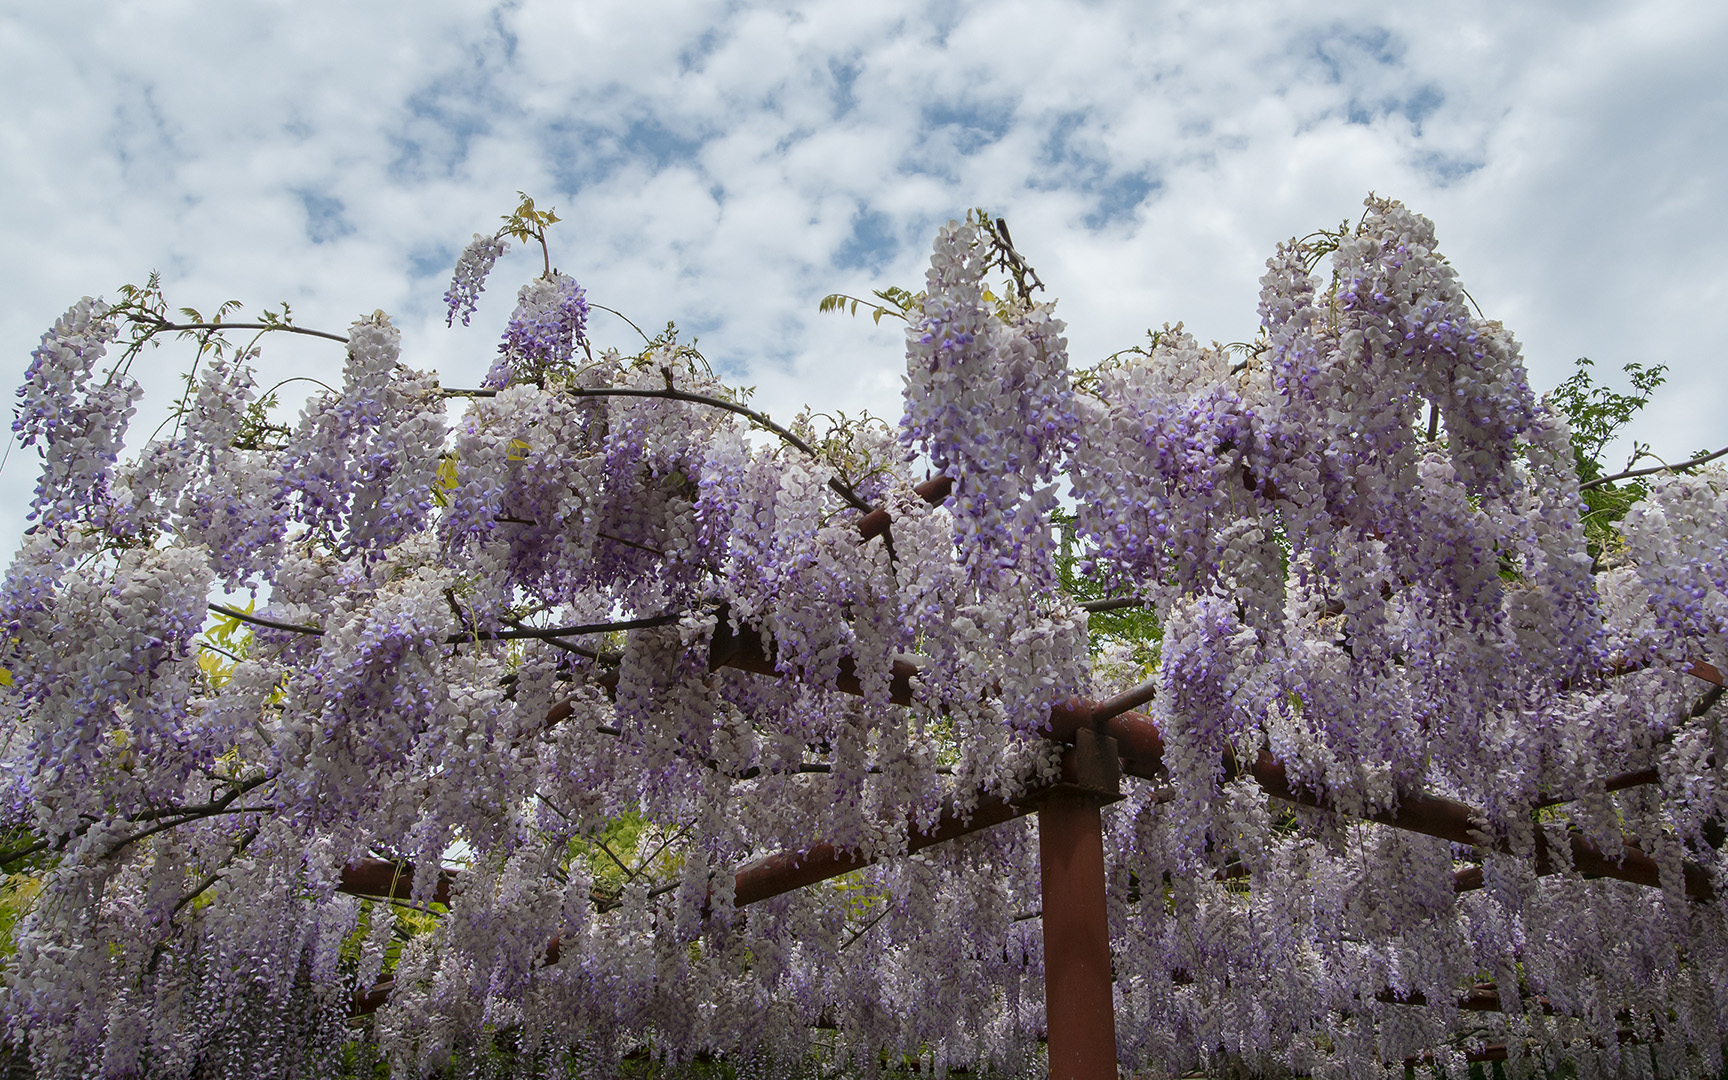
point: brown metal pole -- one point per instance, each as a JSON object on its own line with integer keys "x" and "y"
{"x": 1079, "y": 1008}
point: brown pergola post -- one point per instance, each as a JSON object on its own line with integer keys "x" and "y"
{"x": 1080, "y": 1013}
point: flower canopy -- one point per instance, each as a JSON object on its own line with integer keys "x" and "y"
{"x": 615, "y": 720}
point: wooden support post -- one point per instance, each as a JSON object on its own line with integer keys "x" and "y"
{"x": 1080, "y": 1014}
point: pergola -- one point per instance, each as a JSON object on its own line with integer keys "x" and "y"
{"x": 1102, "y": 742}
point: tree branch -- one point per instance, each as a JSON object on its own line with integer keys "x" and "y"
{"x": 259, "y": 620}
{"x": 164, "y": 826}
{"x": 867, "y": 927}
{"x": 465, "y": 637}
{"x": 609, "y": 659}
{"x": 216, "y": 874}
{"x": 554, "y": 632}
{"x": 670, "y": 393}
{"x": 180, "y": 814}
{"x": 160, "y": 325}
{"x": 629, "y": 874}
{"x": 621, "y": 315}
{"x": 1096, "y": 607}
{"x": 1631, "y": 473}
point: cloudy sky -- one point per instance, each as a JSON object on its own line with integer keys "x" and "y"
{"x": 724, "y": 165}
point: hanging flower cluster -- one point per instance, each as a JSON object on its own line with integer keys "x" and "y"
{"x": 988, "y": 400}
{"x": 79, "y": 423}
{"x": 361, "y": 464}
{"x": 540, "y": 340}
{"x": 469, "y": 281}
{"x": 539, "y": 717}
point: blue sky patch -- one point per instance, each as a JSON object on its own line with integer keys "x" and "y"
{"x": 1446, "y": 169}
{"x": 970, "y": 125}
{"x": 695, "y": 55}
{"x": 1119, "y": 199}
{"x": 1417, "y": 107}
{"x": 326, "y": 217}
{"x": 431, "y": 261}
{"x": 1070, "y": 160}
{"x": 872, "y": 244}
{"x": 448, "y": 110}
{"x": 845, "y": 74}
{"x": 579, "y": 152}
{"x": 142, "y": 137}
{"x": 1344, "y": 56}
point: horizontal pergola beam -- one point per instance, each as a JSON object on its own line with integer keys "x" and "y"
{"x": 1141, "y": 748}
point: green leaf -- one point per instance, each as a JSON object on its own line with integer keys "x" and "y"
{"x": 1596, "y": 416}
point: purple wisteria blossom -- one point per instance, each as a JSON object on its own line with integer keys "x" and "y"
{"x": 550, "y": 321}
{"x": 988, "y": 399}
{"x": 361, "y": 464}
{"x": 76, "y": 413}
{"x": 469, "y": 281}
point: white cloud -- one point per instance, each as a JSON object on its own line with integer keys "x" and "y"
{"x": 726, "y": 165}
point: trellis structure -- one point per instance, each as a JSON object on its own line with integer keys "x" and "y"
{"x": 1103, "y": 741}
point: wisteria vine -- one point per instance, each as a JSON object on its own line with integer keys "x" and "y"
{"x": 535, "y": 718}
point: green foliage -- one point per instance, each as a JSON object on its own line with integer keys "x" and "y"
{"x": 411, "y": 922}
{"x": 22, "y": 851}
{"x": 362, "y": 1060}
{"x": 1321, "y": 243}
{"x": 619, "y": 837}
{"x": 1021, "y": 277}
{"x": 642, "y": 1065}
{"x": 527, "y": 223}
{"x": 896, "y": 301}
{"x": 1596, "y": 416}
{"x": 224, "y": 643}
{"x": 1131, "y": 624}
{"x": 1086, "y": 380}
{"x": 674, "y": 359}
{"x": 257, "y": 430}
{"x": 861, "y": 898}
{"x": 145, "y": 318}
{"x": 627, "y": 847}
{"x": 446, "y": 481}
{"x": 143, "y": 311}
{"x": 17, "y": 894}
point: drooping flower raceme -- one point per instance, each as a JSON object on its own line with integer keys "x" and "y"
{"x": 361, "y": 466}
{"x": 1683, "y": 563}
{"x": 106, "y": 687}
{"x": 77, "y": 414}
{"x": 550, "y": 320}
{"x": 204, "y": 484}
{"x": 987, "y": 398}
{"x": 469, "y": 281}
